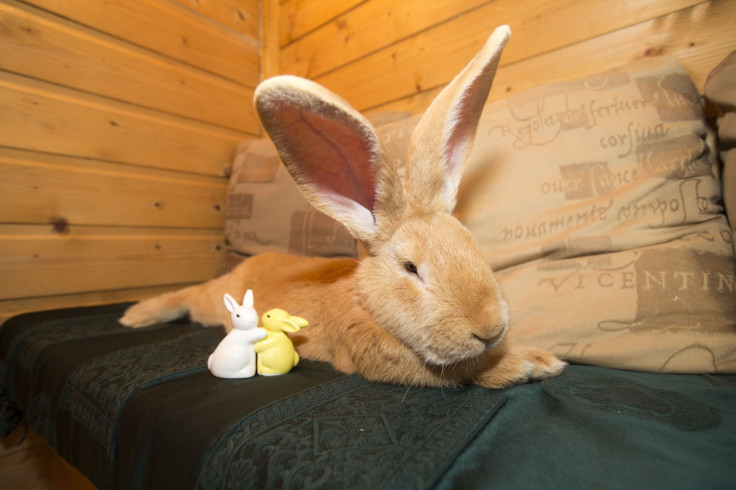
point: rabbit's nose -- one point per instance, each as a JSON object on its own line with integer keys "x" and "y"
{"x": 492, "y": 325}
{"x": 491, "y": 335}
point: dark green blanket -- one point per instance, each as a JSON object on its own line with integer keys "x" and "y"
{"x": 138, "y": 409}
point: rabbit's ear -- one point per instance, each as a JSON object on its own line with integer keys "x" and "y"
{"x": 248, "y": 299}
{"x": 443, "y": 139}
{"x": 331, "y": 151}
{"x": 230, "y": 303}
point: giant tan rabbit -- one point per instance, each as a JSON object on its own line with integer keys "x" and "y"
{"x": 422, "y": 307}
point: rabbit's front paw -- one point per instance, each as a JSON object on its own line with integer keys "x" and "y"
{"x": 519, "y": 364}
{"x": 544, "y": 364}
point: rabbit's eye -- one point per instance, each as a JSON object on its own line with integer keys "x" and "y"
{"x": 411, "y": 268}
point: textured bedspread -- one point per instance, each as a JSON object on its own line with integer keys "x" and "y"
{"x": 138, "y": 409}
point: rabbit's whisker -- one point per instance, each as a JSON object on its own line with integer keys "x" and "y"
{"x": 534, "y": 312}
{"x": 407, "y": 392}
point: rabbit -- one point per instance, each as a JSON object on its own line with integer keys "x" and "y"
{"x": 235, "y": 355}
{"x": 276, "y": 353}
{"x": 422, "y": 307}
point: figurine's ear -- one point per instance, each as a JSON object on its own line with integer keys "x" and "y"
{"x": 230, "y": 303}
{"x": 248, "y": 299}
{"x": 290, "y": 328}
{"x": 443, "y": 139}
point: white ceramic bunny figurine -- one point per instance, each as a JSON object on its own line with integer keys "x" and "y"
{"x": 235, "y": 356}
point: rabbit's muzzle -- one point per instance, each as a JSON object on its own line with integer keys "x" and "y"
{"x": 492, "y": 326}
{"x": 492, "y": 340}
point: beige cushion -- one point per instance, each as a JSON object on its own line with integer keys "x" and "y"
{"x": 598, "y": 206}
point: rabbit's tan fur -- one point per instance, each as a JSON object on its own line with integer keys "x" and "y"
{"x": 423, "y": 307}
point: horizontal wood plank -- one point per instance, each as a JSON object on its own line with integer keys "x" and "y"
{"x": 169, "y": 29}
{"x": 66, "y": 477}
{"x": 240, "y": 15}
{"x": 44, "y": 117}
{"x": 367, "y": 28}
{"x": 24, "y": 461}
{"x": 28, "y": 462}
{"x": 41, "y": 188}
{"x": 699, "y": 38}
{"x": 39, "y": 261}
{"x": 451, "y": 32}
{"x": 706, "y": 24}
{"x": 299, "y": 17}
{"x": 44, "y": 46}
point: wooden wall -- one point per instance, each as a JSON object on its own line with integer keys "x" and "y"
{"x": 118, "y": 120}
{"x": 388, "y": 54}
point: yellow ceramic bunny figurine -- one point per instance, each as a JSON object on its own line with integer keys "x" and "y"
{"x": 276, "y": 353}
